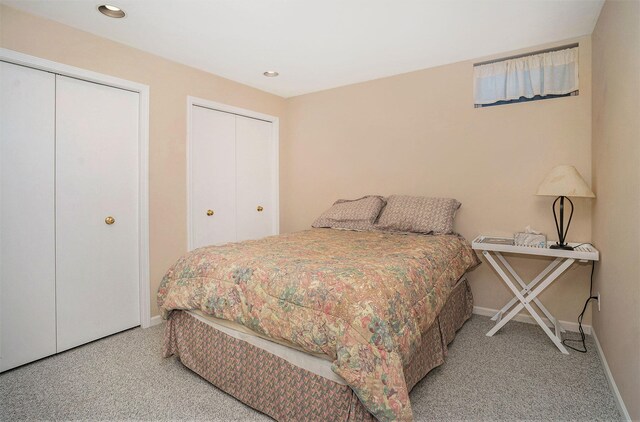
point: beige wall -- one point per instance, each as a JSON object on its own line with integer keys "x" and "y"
{"x": 170, "y": 83}
{"x": 419, "y": 134}
{"x": 616, "y": 175}
{"x": 416, "y": 133}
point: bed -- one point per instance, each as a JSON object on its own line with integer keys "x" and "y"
{"x": 320, "y": 324}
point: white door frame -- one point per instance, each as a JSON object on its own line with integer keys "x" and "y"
{"x": 18, "y": 58}
{"x": 194, "y": 101}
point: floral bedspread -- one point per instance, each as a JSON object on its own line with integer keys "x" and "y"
{"x": 362, "y": 298}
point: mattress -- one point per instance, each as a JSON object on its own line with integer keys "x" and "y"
{"x": 315, "y": 363}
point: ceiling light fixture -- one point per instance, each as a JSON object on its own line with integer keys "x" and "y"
{"x": 111, "y": 11}
{"x": 271, "y": 74}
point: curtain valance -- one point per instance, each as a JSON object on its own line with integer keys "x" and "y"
{"x": 552, "y": 73}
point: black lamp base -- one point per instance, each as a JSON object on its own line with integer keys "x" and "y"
{"x": 564, "y": 247}
{"x": 562, "y": 230}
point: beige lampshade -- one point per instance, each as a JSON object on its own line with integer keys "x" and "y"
{"x": 565, "y": 181}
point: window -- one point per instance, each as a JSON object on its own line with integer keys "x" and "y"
{"x": 538, "y": 76}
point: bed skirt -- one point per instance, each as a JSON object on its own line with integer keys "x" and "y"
{"x": 285, "y": 391}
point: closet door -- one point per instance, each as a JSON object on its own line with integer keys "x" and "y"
{"x": 255, "y": 178}
{"x": 211, "y": 176}
{"x": 97, "y": 272}
{"x": 27, "y": 238}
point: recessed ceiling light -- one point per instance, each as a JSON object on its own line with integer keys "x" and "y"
{"x": 270, "y": 74}
{"x": 111, "y": 11}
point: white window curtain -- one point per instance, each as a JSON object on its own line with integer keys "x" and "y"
{"x": 553, "y": 73}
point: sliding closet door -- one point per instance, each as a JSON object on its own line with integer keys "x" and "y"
{"x": 211, "y": 176}
{"x": 27, "y": 239}
{"x": 97, "y": 272}
{"x": 255, "y": 178}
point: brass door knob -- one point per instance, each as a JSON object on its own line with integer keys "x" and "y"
{"x": 209, "y": 212}
{"x": 259, "y": 208}
{"x": 109, "y": 220}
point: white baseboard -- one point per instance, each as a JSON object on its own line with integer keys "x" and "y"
{"x": 155, "y": 320}
{"x": 612, "y": 383}
{"x": 568, "y": 325}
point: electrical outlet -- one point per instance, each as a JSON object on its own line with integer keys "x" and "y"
{"x": 598, "y": 301}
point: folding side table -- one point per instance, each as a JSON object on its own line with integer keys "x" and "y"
{"x": 492, "y": 248}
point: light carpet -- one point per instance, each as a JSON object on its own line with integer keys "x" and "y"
{"x": 517, "y": 374}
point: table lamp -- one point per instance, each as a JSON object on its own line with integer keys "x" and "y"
{"x": 564, "y": 181}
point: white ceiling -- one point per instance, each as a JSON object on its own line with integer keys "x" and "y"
{"x": 323, "y": 44}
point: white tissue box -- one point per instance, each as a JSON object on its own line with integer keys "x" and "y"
{"x": 531, "y": 240}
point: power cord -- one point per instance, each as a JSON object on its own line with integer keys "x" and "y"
{"x": 582, "y": 335}
{"x": 585, "y": 243}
